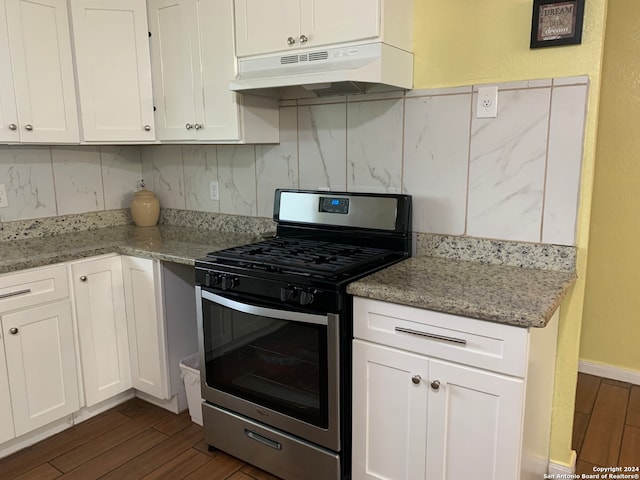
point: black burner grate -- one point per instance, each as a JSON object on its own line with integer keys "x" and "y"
{"x": 299, "y": 255}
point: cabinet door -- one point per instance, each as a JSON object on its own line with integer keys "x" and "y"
{"x": 114, "y": 72}
{"x": 217, "y": 109}
{"x": 147, "y": 340}
{"x": 42, "y": 70}
{"x": 263, "y": 27}
{"x": 389, "y": 413}
{"x": 324, "y": 22}
{"x": 102, "y": 326}
{"x": 6, "y": 414}
{"x": 41, "y": 363}
{"x": 475, "y": 424}
{"x": 8, "y": 112}
{"x": 173, "y": 26}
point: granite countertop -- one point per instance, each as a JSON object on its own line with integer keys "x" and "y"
{"x": 524, "y": 297}
{"x": 524, "y": 288}
{"x": 163, "y": 242}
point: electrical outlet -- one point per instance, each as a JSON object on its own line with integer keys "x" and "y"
{"x": 487, "y": 102}
{"x": 213, "y": 190}
{"x": 4, "y": 202}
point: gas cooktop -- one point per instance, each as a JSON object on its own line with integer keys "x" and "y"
{"x": 323, "y": 240}
{"x": 318, "y": 258}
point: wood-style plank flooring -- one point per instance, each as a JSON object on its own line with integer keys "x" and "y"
{"x": 135, "y": 440}
{"x": 606, "y": 427}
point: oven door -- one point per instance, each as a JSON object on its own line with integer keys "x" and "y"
{"x": 277, "y": 366}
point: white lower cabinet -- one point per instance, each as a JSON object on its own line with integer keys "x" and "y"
{"x": 418, "y": 418}
{"x": 147, "y": 339}
{"x": 100, "y": 338}
{"x": 423, "y": 409}
{"x": 38, "y": 373}
{"x": 41, "y": 364}
{"x": 474, "y": 422}
{"x": 102, "y": 327}
{"x": 120, "y": 327}
{"x": 7, "y": 431}
{"x": 389, "y": 414}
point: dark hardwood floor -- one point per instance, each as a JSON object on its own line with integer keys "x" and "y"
{"x": 606, "y": 428}
{"x": 135, "y": 440}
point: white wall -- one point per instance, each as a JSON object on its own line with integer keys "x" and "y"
{"x": 514, "y": 177}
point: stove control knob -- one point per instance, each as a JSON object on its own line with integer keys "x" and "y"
{"x": 209, "y": 279}
{"x": 228, "y": 282}
{"x": 286, "y": 294}
{"x": 306, "y": 297}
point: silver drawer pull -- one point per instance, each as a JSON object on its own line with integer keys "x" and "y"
{"x": 461, "y": 341}
{"x": 263, "y": 440}
{"x": 16, "y": 293}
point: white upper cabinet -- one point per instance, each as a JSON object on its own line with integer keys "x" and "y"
{"x": 8, "y": 111}
{"x": 173, "y": 67}
{"x": 323, "y": 22}
{"x": 42, "y": 68}
{"x": 193, "y": 62}
{"x": 264, "y": 27}
{"x": 114, "y": 72}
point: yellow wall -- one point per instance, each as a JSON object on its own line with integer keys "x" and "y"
{"x": 611, "y": 327}
{"x": 462, "y": 42}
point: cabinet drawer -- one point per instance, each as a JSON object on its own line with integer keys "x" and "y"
{"x": 491, "y": 346}
{"x": 31, "y": 287}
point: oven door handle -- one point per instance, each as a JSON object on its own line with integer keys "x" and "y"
{"x": 266, "y": 312}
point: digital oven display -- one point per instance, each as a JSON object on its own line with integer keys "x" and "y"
{"x": 334, "y": 205}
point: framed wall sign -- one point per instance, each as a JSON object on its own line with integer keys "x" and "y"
{"x": 556, "y": 22}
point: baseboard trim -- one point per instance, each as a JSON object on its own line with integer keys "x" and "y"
{"x": 46, "y": 431}
{"x": 559, "y": 470}
{"x": 171, "y": 404}
{"x": 607, "y": 371}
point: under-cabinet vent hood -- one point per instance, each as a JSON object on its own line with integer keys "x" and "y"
{"x": 345, "y": 70}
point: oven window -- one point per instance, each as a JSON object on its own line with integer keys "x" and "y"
{"x": 278, "y": 364}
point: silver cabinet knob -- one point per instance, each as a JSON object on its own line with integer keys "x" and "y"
{"x": 83, "y": 278}
{"x": 197, "y": 126}
{"x": 435, "y": 385}
{"x": 188, "y": 126}
{"x": 303, "y": 39}
{"x": 13, "y": 331}
{"x": 416, "y": 379}
{"x": 13, "y": 126}
{"x": 291, "y": 41}
{"x": 147, "y": 128}
{"x": 28, "y": 126}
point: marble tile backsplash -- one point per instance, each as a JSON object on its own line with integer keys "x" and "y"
{"x": 61, "y": 180}
{"x": 514, "y": 177}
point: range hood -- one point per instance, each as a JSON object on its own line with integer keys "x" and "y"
{"x": 363, "y": 68}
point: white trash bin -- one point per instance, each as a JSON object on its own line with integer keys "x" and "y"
{"x": 190, "y": 372}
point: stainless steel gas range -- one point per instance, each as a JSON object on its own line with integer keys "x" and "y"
{"x": 275, "y": 330}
